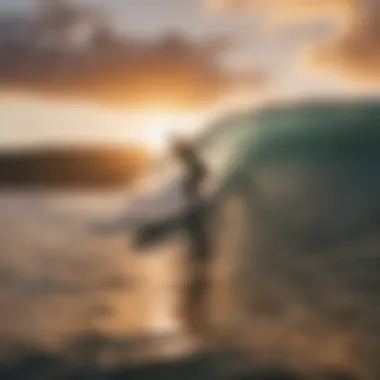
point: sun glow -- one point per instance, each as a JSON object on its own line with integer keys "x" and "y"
{"x": 156, "y": 126}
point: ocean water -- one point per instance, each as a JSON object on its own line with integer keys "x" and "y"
{"x": 59, "y": 280}
{"x": 310, "y": 282}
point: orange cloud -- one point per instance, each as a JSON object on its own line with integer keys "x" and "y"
{"x": 356, "y": 50}
{"x": 353, "y": 49}
{"x": 285, "y": 10}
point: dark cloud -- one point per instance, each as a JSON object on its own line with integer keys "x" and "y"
{"x": 75, "y": 53}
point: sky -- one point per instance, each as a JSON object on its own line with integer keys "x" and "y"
{"x": 299, "y": 48}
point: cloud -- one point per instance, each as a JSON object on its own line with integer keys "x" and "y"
{"x": 284, "y": 10}
{"x": 73, "y": 52}
{"x": 354, "y": 48}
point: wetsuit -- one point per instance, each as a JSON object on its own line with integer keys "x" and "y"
{"x": 196, "y": 225}
{"x": 199, "y": 248}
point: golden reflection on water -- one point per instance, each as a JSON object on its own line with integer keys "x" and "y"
{"x": 59, "y": 282}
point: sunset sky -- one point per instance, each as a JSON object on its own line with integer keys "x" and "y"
{"x": 299, "y": 48}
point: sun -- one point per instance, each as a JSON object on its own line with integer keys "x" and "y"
{"x": 156, "y": 126}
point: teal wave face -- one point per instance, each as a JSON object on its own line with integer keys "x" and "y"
{"x": 316, "y": 172}
{"x": 349, "y": 131}
{"x": 325, "y": 156}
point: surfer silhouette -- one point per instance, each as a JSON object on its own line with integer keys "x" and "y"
{"x": 193, "y": 307}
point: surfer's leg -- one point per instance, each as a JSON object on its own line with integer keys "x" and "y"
{"x": 196, "y": 298}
